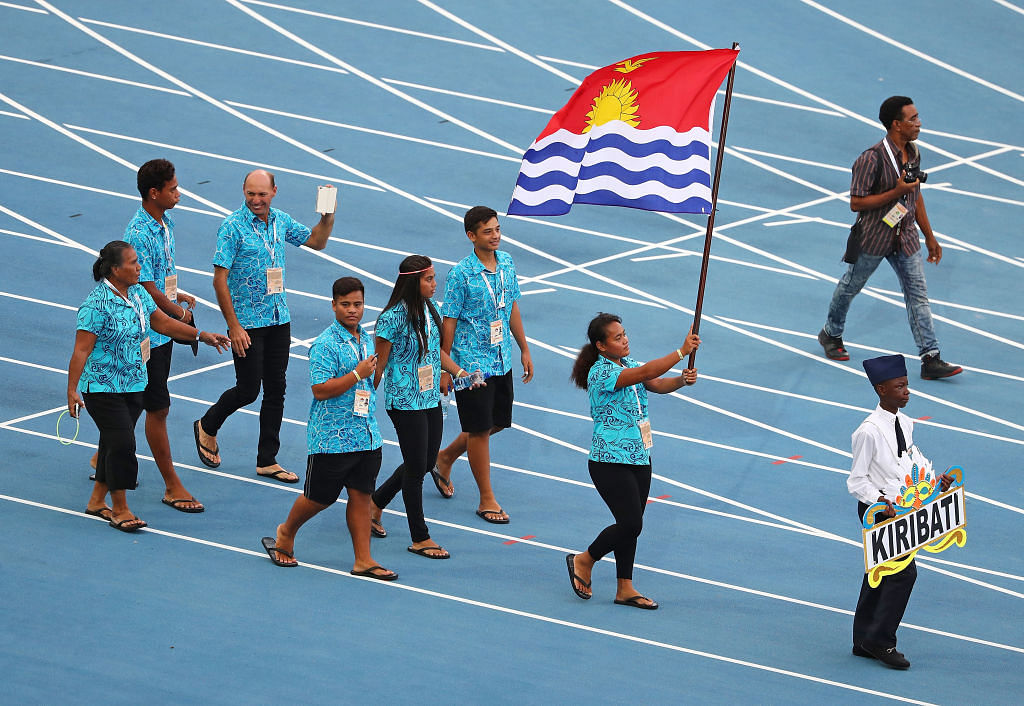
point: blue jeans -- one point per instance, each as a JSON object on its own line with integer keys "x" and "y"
{"x": 910, "y": 271}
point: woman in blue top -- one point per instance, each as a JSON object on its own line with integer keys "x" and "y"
{"x": 410, "y": 360}
{"x": 620, "y": 453}
{"x": 108, "y": 370}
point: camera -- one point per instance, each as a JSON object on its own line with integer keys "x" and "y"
{"x": 912, "y": 174}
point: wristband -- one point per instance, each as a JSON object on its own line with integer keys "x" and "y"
{"x": 461, "y": 374}
{"x": 184, "y": 313}
{"x": 679, "y": 352}
{"x": 356, "y": 374}
{"x": 198, "y": 334}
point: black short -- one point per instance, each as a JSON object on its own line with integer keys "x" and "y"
{"x": 327, "y": 474}
{"x": 486, "y": 407}
{"x": 156, "y": 397}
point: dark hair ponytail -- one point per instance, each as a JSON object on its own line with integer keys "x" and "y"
{"x": 588, "y": 354}
{"x": 110, "y": 257}
{"x": 407, "y": 290}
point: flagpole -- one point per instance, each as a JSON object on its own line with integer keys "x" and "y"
{"x": 714, "y": 204}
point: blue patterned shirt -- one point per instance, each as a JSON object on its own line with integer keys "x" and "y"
{"x": 401, "y": 381}
{"x": 244, "y": 247}
{"x": 616, "y": 414}
{"x": 115, "y": 364}
{"x": 156, "y": 254}
{"x": 474, "y": 304}
{"x": 333, "y": 427}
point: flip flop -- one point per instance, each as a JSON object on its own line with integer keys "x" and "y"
{"x": 499, "y": 520}
{"x": 377, "y": 529}
{"x": 200, "y": 448}
{"x": 443, "y": 485}
{"x": 177, "y": 506}
{"x": 573, "y": 578}
{"x": 121, "y": 525}
{"x": 634, "y": 601}
{"x": 104, "y": 513}
{"x": 270, "y": 544}
{"x": 371, "y": 573}
{"x": 425, "y": 551}
{"x": 281, "y": 475}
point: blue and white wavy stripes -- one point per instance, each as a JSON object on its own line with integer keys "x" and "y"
{"x": 616, "y": 165}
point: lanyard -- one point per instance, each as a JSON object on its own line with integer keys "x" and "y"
{"x": 167, "y": 246}
{"x": 487, "y": 282}
{"x": 140, "y": 311}
{"x": 272, "y": 245}
{"x": 360, "y": 352}
{"x": 639, "y": 409}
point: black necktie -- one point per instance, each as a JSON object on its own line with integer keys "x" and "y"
{"x": 901, "y": 442}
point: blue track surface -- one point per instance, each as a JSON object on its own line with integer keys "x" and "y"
{"x": 751, "y": 542}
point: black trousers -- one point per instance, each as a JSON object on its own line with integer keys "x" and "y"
{"x": 880, "y": 610}
{"x": 115, "y": 414}
{"x": 419, "y": 436}
{"x": 624, "y": 488}
{"x": 265, "y": 363}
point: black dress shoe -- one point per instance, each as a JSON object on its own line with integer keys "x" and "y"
{"x": 933, "y": 367}
{"x": 887, "y": 656}
{"x": 833, "y": 345}
{"x": 859, "y": 651}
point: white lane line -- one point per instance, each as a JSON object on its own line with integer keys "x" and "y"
{"x": 976, "y": 195}
{"x": 967, "y": 160}
{"x": 89, "y": 74}
{"x": 9, "y": 114}
{"x": 22, "y": 7}
{"x": 28, "y": 236}
{"x": 371, "y": 131}
{"x": 95, "y": 190}
{"x": 796, "y": 89}
{"x": 38, "y": 301}
{"x": 903, "y": 46}
{"x": 372, "y": 25}
{"x": 470, "y": 96}
{"x": 954, "y": 305}
{"x": 497, "y": 42}
{"x": 784, "y": 158}
{"x": 367, "y": 77}
{"x": 1009, "y": 6}
{"x": 397, "y": 585}
{"x": 336, "y": 180}
{"x": 783, "y": 104}
{"x": 210, "y": 45}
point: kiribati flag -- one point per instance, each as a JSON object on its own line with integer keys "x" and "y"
{"x": 636, "y": 133}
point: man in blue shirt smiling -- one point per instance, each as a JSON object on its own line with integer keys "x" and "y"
{"x": 481, "y": 316}
{"x": 248, "y": 277}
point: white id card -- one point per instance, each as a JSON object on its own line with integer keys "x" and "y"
{"x": 496, "y": 334}
{"x": 326, "y": 199}
{"x": 645, "y": 433}
{"x": 361, "y": 407}
{"x": 895, "y": 215}
{"x": 275, "y": 280}
{"x": 425, "y": 373}
{"x": 171, "y": 287}
{"x": 144, "y": 347}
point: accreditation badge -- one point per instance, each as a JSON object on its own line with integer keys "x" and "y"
{"x": 895, "y": 215}
{"x": 171, "y": 287}
{"x": 144, "y": 348}
{"x": 645, "y": 433}
{"x": 361, "y": 407}
{"x": 425, "y": 374}
{"x": 497, "y": 336}
{"x": 275, "y": 280}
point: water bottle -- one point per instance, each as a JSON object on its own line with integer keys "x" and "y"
{"x": 475, "y": 378}
{"x": 445, "y": 404}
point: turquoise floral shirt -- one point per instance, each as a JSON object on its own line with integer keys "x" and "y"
{"x": 616, "y": 414}
{"x": 333, "y": 426}
{"x": 400, "y": 379}
{"x": 115, "y": 364}
{"x": 155, "y": 249}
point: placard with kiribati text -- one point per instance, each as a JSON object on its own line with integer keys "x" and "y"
{"x": 926, "y": 518}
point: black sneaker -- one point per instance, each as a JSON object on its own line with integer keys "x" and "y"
{"x": 887, "y": 656}
{"x": 933, "y": 367}
{"x": 833, "y": 346}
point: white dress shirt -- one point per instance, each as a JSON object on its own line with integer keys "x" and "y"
{"x": 876, "y": 470}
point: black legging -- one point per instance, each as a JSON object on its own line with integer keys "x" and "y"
{"x": 624, "y": 488}
{"x": 115, "y": 414}
{"x": 419, "y": 436}
{"x": 265, "y": 362}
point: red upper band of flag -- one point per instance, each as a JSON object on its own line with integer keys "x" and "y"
{"x": 636, "y": 133}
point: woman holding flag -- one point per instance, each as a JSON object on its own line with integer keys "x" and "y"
{"x": 620, "y": 453}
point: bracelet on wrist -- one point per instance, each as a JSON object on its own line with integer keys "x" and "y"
{"x": 461, "y": 374}
{"x": 356, "y": 374}
{"x": 679, "y": 352}
{"x": 198, "y": 334}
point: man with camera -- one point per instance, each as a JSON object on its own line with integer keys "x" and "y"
{"x": 885, "y": 192}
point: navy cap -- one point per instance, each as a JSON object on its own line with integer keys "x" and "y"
{"x": 884, "y": 368}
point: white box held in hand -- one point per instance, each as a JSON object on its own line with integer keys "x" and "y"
{"x": 326, "y": 199}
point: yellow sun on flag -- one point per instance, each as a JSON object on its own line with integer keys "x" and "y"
{"x": 616, "y": 101}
